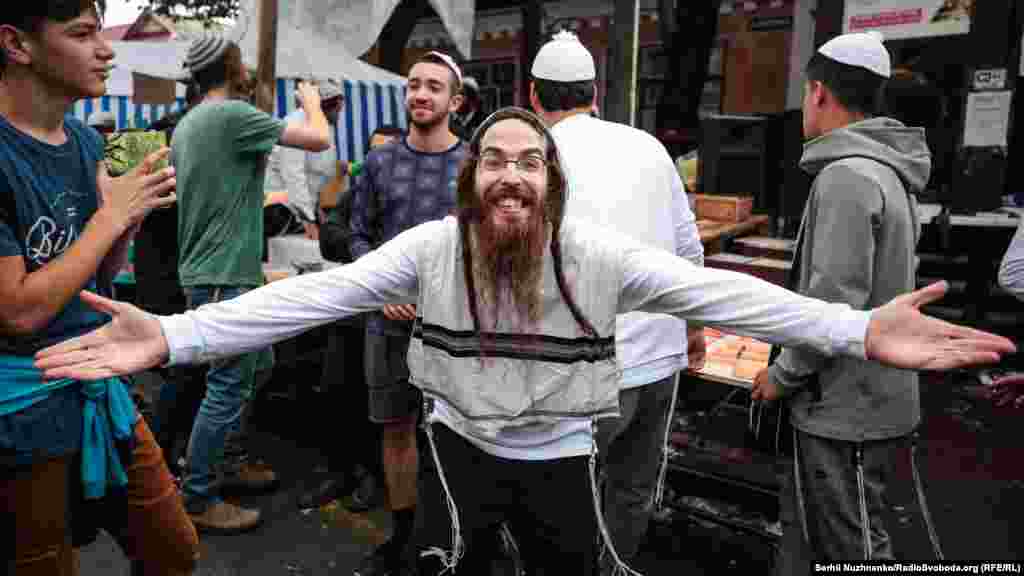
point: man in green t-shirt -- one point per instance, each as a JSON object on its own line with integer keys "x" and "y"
{"x": 219, "y": 151}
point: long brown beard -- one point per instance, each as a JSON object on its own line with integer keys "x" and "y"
{"x": 509, "y": 267}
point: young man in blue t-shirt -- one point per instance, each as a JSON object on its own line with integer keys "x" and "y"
{"x": 74, "y": 457}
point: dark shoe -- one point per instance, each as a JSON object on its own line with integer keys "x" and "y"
{"x": 386, "y": 560}
{"x": 328, "y": 491}
{"x": 367, "y": 495}
{"x": 508, "y": 561}
{"x": 250, "y": 477}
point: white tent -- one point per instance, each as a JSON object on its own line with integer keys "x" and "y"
{"x": 159, "y": 59}
{"x": 333, "y": 26}
{"x": 166, "y": 60}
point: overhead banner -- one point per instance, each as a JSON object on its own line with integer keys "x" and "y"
{"x": 897, "y": 19}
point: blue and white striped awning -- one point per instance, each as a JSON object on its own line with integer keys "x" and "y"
{"x": 127, "y": 113}
{"x": 367, "y": 106}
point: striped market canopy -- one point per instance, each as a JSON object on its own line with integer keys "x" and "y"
{"x": 128, "y": 114}
{"x": 367, "y": 106}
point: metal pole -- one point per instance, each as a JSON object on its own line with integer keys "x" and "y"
{"x": 267, "y": 53}
{"x": 622, "y": 74}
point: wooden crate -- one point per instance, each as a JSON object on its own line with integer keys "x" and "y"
{"x": 764, "y": 247}
{"x": 768, "y": 269}
{"x": 723, "y": 208}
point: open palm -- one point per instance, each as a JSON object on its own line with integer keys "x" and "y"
{"x": 900, "y": 335}
{"x": 133, "y": 341}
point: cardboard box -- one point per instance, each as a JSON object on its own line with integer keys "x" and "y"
{"x": 153, "y": 90}
{"x": 723, "y": 208}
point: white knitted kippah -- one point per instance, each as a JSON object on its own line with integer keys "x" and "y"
{"x": 448, "y": 62}
{"x": 861, "y": 49}
{"x": 564, "y": 59}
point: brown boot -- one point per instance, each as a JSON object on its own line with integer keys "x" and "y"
{"x": 225, "y": 518}
{"x": 252, "y": 476}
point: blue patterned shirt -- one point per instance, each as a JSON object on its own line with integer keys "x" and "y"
{"x": 398, "y": 189}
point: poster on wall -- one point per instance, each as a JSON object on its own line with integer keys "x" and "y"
{"x": 897, "y": 19}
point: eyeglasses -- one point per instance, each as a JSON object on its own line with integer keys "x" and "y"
{"x": 529, "y": 164}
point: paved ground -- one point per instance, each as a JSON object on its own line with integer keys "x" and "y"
{"x": 973, "y": 468}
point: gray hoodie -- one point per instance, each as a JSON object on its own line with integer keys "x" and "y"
{"x": 857, "y": 244}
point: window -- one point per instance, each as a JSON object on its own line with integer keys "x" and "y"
{"x": 497, "y": 80}
{"x": 652, "y": 69}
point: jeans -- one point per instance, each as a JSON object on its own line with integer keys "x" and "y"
{"x": 176, "y": 407}
{"x": 229, "y": 386}
{"x": 236, "y": 444}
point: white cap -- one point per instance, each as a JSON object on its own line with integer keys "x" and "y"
{"x": 101, "y": 118}
{"x": 329, "y": 89}
{"x": 448, "y": 62}
{"x": 564, "y": 59}
{"x": 861, "y": 49}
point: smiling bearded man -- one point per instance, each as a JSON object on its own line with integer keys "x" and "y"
{"x": 509, "y": 225}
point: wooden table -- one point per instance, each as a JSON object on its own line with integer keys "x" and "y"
{"x": 714, "y": 234}
{"x": 731, "y": 359}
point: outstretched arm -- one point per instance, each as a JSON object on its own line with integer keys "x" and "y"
{"x": 896, "y": 334}
{"x": 134, "y": 340}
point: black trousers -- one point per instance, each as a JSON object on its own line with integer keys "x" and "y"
{"x": 547, "y": 504}
{"x": 352, "y": 439}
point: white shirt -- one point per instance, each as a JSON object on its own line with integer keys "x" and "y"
{"x": 301, "y": 173}
{"x": 516, "y": 403}
{"x": 1011, "y": 269}
{"x": 632, "y": 187}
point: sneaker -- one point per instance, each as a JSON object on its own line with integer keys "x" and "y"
{"x": 250, "y": 476}
{"x": 385, "y": 560}
{"x": 326, "y": 492}
{"x": 368, "y": 493}
{"x": 225, "y": 518}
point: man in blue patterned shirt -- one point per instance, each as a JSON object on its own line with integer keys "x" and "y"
{"x": 405, "y": 183}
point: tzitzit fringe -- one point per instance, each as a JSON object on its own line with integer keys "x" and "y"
{"x": 621, "y": 568}
{"x": 925, "y": 512}
{"x": 865, "y": 520}
{"x": 659, "y": 489}
{"x": 449, "y": 560}
{"x": 798, "y": 484}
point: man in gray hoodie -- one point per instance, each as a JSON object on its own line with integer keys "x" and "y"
{"x": 856, "y": 245}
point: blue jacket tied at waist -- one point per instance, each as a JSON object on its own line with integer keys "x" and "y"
{"x": 108, "y": 415}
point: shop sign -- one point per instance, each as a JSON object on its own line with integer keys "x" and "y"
{"x": 990, "y": 79}
{"x": 897, "y": 19}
